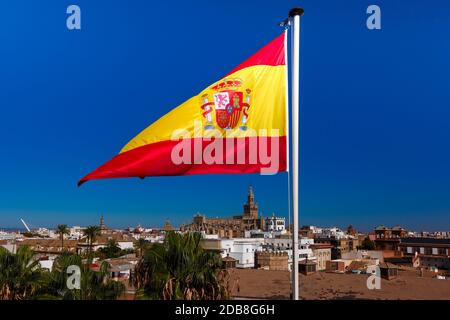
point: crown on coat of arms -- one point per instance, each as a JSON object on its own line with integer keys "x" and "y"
{"x": 227, "y": 84}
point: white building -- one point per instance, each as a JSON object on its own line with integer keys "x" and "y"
{"x": 275, "y": 224}
{"x": 241, "y": 249}
{"x": 75, "y": 232}
{"x": 263, "y": 234}
{"x": 44, "y": 232}
{"x": 47, "y": 263}
{"x": 9, "y": 235}
{"x": 154, "y": 238}
{"x": 333, "y": 232}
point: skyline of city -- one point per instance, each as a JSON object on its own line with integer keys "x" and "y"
{"x": 185, "y": 221}
{"x": 374, "y": 129}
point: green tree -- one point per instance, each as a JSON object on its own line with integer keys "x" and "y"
{"x": 62, "y": 229}
{"x": 112, "y": 250}
{"x": 367, "y": 244}
{"x": 21, "y": 276}
{"x": 91, "y": 232}
{"x": 180, "y": 269}
{"x": 94, "y": 285}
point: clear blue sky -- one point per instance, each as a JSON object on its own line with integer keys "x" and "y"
{"x": 375, "y": 109}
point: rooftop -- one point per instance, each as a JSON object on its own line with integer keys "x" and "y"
{"x": 412, "y": 240}
{"x": 321, "y": 285}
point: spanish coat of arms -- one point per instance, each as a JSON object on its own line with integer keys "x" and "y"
{"x": 228, "y": 104}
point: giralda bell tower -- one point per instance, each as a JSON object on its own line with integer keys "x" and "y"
{"x": 251, "y": 207}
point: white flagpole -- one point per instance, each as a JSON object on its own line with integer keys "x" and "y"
{"x": 294, "y": 16}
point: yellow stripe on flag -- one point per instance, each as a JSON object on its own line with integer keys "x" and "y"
{"x": 267, "y": 107}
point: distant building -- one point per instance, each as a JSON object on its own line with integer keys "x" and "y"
{"x": 46, "y": 246}
{"x": 75, "y": 232}
{"x": 388, "y": 239}
{"x": 388, "y": 270}
{"x": 285, "y": 245}
{"x": 124, "y": 241}
{"x": 307, "y": 267}
{"x": 322, "y": 253}
{"x": 103, "y": 227}
{"x": 275, "y": 224}
{"x": 340, "y": 245}
{"x": 121, "y": 268}
{"x": 333, "y": 232}
{"x": 243, "y": 250}
{"x": 306, "y": 232}
{"x": 228, "y": 262}
{"x": 428, "y": 246}
{"x": 351, "y": 231}
{"x": 337, "y": 265}
{"x": 265, "y": 234}
{"x": 427, "y": 252}
{"x": 272, "y": 260}
{"x": 167, "y": 226}
{"x": 364, "y": 255}
{"x": 429, "y": 262}
{"x": 234, "y": 227}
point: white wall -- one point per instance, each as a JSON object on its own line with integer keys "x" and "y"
{"x": 46, "y": 264}
{"x": 125, "y": 245}
{"x": 242, "y": 249}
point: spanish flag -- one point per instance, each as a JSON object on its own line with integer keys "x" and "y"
{"x": 236, "y": 125}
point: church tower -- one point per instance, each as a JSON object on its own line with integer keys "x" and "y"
{"x": 103, "y": 227}
{"x": 251, "y": 207}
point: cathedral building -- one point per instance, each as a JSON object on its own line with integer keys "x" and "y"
{"x": 234, "y": 227}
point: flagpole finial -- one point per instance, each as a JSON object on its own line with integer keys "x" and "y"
{"x": 296, "y": 12}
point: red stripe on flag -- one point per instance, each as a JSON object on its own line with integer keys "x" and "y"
{"x": 156, "y": 159}
{"x": 272, "y": 54}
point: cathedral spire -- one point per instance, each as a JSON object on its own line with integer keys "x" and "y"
{"x": 251, "y": 207}
{"x": 251, "y": 196}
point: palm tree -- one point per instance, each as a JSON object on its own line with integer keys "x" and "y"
{"x": 141, "y": 245}
{"x": 180, "y": 269}
{"x": 62, "y": 229}
{"x": 91, "y": 232}
{"x": 20, "y": 274}
{"x": 94, "y": 285}
{"x": 21, "y": 277}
